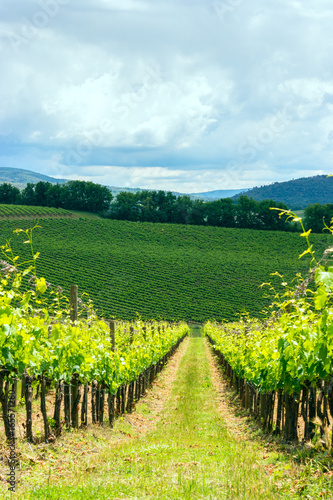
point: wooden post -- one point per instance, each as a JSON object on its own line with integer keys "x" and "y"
{"x": 112, "y": 334}
{"x": 67, "y": 404}
{"x": 111, "y": 400}
{"x": 57, "y": 407}
{"x": 101, "y": 403}
{"x": 74, "y": 303}
{"x": 76, "y": 396}
{"x": 84, "y": 406}
{"x": 28, "y": 405}
{"x": 93, "y": 402}
{"x": 47, "y": 429}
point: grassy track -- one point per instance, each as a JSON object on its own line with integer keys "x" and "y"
{"x": 190, "y": 454}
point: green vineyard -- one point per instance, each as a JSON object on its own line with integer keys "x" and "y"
{"x": 162, "y": 271}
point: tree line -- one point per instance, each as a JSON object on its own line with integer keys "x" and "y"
{"x": 73, "y": 195}
{"x": 315, "y": 216}
{"x": 161, "y": 206}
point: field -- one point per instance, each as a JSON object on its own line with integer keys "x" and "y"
{"x": 162, "y": 271}
{"x": 75, "y": 419}
{"x": 22, "y": 211}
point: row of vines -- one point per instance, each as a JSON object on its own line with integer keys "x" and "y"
{"x": 17, "y": 211}
{"x": 47, "y": 356}
{"x": 282, "y": 368}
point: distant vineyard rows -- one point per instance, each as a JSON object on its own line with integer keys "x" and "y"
{"x": 25, "y": 211}
{"x": 162, "y": 271}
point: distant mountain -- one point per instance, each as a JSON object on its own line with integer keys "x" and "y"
{"x": 116, "y": 190}
{"x": 205, "y": 196}
{"x": 217, "y": 194}
{"x": 297, "y": 193}
{"x": 20, "y": 178}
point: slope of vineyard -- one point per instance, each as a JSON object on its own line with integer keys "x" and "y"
{"x": 162, "y": 271}
{"x": 23, "y": 211}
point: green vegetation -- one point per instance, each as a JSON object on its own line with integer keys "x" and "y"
{"x": 194, "y": 452}
{"x": 315, "y": 216}
{"x": 147, "y": 206}
{"x": 161, "y": 206}
{"x": 289, "y": 357}
{"x": 190, "y": 455}
{"x": 163, "y": 271}
{"x": 73, "y": 195}
{"x": 42, "y": 343}
{"x": 23, "y": 211}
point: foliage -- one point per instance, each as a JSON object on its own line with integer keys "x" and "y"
{"x": 36, "y": 336}
{"x": 72, "y": 195}
{"x": 315, "y": 215}
{"x": 165, "y": 271}
{"x": 161, "y": 206}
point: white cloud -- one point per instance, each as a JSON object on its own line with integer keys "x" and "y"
{"x": 188, "y": 86}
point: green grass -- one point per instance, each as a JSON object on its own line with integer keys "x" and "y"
{"x": 164, "y": 271}
{"x": 190, "y": 454}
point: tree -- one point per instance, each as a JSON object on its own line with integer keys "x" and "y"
{"x": 198, "y": 213}
{"x": 55, "y": 196}
{"x": 125, "y": 207}
{"x": 315, "y": 215}
{"x": 183, "y": 210}
{"x": 221, "y": 213}
{"x": 28, "y": 194}
{"x": 269, "y": 219}
{"x": 86, "y": 196}
{"x": 41, "y": 191}
{"x": 246, "y": 212}
{"x": 9, "y": 194}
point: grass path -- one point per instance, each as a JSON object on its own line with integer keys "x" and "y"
{"x": 189, "y": 455}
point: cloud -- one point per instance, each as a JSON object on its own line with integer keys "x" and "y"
{"x": 175, "y": 93}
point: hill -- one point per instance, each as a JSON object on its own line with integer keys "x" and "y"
{"x": 20, "y": 178}
{"x": 217, "y": 194}
{"x": 204, "y": 196}
{"x": 297, "y": 193}
{"x": 26, "y": 212}
{"x": 165, "y": 271}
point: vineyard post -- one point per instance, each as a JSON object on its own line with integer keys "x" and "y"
{"x": 111, "y": 397}
{"x": 4, "y": 392}
{"x": 28, "y": 405}
{"x": 74, "y": 302}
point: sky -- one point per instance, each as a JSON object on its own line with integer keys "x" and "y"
{"x": 181, "y": 95}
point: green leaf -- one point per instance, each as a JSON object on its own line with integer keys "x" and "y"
{"x": 324, "y": 277}
{"x": 304, "y": 253}
{"x": 320, "y": 298}
{"x": 41, "y": 285}
{"x": 323, "y": 353}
